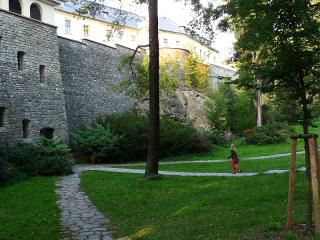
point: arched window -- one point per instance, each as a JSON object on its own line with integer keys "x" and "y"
{"x": 35, "y": 11}
{"x": 47, "y": 132}
{"x": 14, "y": 6}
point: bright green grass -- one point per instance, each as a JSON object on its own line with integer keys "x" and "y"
{"x": 195, "y": 207}
{"x": 28, "y": 210}
{"x": 244, "y": 150}
{"x": 246, "y": 166}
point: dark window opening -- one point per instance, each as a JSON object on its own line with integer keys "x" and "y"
{"x": 2, "y": 116}
{"x": 42, "y": 73}
{"x": 26, "y": 127}
{"x": 20, "y": 57}
{"x": 47, "y": 132}
{"x": 35, "y": 12}
{"x": 14, "y": 6}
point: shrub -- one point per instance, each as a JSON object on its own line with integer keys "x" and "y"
{"x": 175, "y": 137}
{"x": 268, "y": 134}
{"x": 96, "y": 142}
{"x": 6, "y": 171}
{"x": 45, "y": 157}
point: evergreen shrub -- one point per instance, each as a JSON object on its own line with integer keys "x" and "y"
{"x": 271, "y": 133}
{"x": 44, "y": 157}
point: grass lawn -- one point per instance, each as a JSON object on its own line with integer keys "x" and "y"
{"x": 221, "y": 152}
{"x": 246, "y": 166}
{"x": 28, "y": 210}
{"x": 195, "y": 207}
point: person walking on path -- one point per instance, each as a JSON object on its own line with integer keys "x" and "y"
{"x": 234, "y": 159}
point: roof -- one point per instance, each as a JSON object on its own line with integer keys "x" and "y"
{"x": 170, "y": 26}
{"x": 107, "y": 14}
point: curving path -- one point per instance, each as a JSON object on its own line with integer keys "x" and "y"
{"x": 80, "y": 219}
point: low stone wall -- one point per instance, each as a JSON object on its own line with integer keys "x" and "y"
{"x": 22, "y": 93}
{"x": 218, "y": 72}
{"x": 89, "y": 73}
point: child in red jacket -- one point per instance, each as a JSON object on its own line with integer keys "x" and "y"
{"x": 234, "y": 159}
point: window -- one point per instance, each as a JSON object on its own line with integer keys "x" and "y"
{"x": 2, "y": 116}
{"x": 20, "y": 57}
{"x": 67, "y": 26}
{"x": 42, "y": 73}
{"x": 14, "y": 6}
{"x": 178, "y": 43}
{"x": 105, "y": 14}
{"x": 120, "y": 35}
{"x": 165, "y": 42}
{"x": 108, "y": 35}
{"x": 47, "y": 132}
{"x": 133, "y": 38}
{"x": 26, "y": 128}
{"x": 35, "y": 12}
{"x": 85, "y": 30}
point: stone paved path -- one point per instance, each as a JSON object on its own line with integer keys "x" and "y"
{"x": 80, "y": 220}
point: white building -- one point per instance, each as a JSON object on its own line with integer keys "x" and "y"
{"x": 112, "y": 26}
{"x": 41, "y": 10}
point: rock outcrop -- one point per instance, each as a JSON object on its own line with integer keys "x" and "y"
{"x": 184, "y": 105}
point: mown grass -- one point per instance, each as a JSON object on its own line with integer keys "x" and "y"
{"x": 28, "y": 210}
{"x": 261, "y": 165}
{"x": 195, "y": 207}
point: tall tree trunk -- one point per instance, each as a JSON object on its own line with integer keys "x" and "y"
{"x": 307, "y": 153}
{"x": 154, "y": 121}
{"x": 259, "y": 104}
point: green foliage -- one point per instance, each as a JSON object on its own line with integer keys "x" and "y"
{"x": 45, "y": 157}
{"x": 6, "y": 171}
{"x": 191, "y": 72}
{"x": 175, "y": 137}
{"x": 229, "y": 110}
{"x": 95, "y": 141}
{"x": 271, "y": 133}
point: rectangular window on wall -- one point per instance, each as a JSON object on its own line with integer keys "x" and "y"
{"x": 120, "y": 35}
{"x": 165, "y": 42}
{"x": 85, "y": 30}
{"x": 42, "y": 73}
{"x": 178, "y": 43}
{"x": 2, "y": 116}
{"x": 26, "y": 128}
{"x": 108, "y": 35}
{"x": 133, "y": 38}
{"x": 20, "y": 58}
{"x": 67, "y": 26}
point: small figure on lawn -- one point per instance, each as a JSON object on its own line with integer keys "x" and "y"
{"x": 234, "y": 159}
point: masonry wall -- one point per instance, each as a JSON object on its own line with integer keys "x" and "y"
{"x": 90, "y": 75}
{"x": 218, "y": 72}
{"x": 21, "y": 92}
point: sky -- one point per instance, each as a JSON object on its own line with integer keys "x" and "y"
{"x": 181, "y": 14}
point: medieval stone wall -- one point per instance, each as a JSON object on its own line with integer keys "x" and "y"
{"x": 90, "y": 74}
{"x": 24, "y": 94}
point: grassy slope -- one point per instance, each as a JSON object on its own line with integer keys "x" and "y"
{"x": 221, "y": 152}
{"x": 246, "y": 166}
{"x": 28, "y": 210}
{"x": 208, "y": 208}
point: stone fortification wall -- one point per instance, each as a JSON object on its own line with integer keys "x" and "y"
{"x": 24, "y": 94}
{"x": 90, "y": 73}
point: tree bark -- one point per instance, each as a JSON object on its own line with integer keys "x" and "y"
{"x": 307, "y": 153}
{"x": 154, "y": 121}
{"x": 259, "y": 104}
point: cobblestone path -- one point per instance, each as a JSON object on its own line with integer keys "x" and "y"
{"x": 80, "y": 220}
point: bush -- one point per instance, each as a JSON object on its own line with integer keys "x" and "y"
{"x": 95, "y": 142}
{"x": 6, "y": 171}
{"x": 45, "y": 157}
{"x": 268, "y": 134}
{"x": 175, "y": 137}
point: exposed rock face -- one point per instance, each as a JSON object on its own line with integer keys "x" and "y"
{"x": 184, "y": 105}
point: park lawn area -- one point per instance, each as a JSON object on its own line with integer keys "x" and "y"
{"x": 195, "y": 207}
{"x": 246, "y": 150}
{"x": 261, "y": 165}
{"x": 28, "y": 210}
